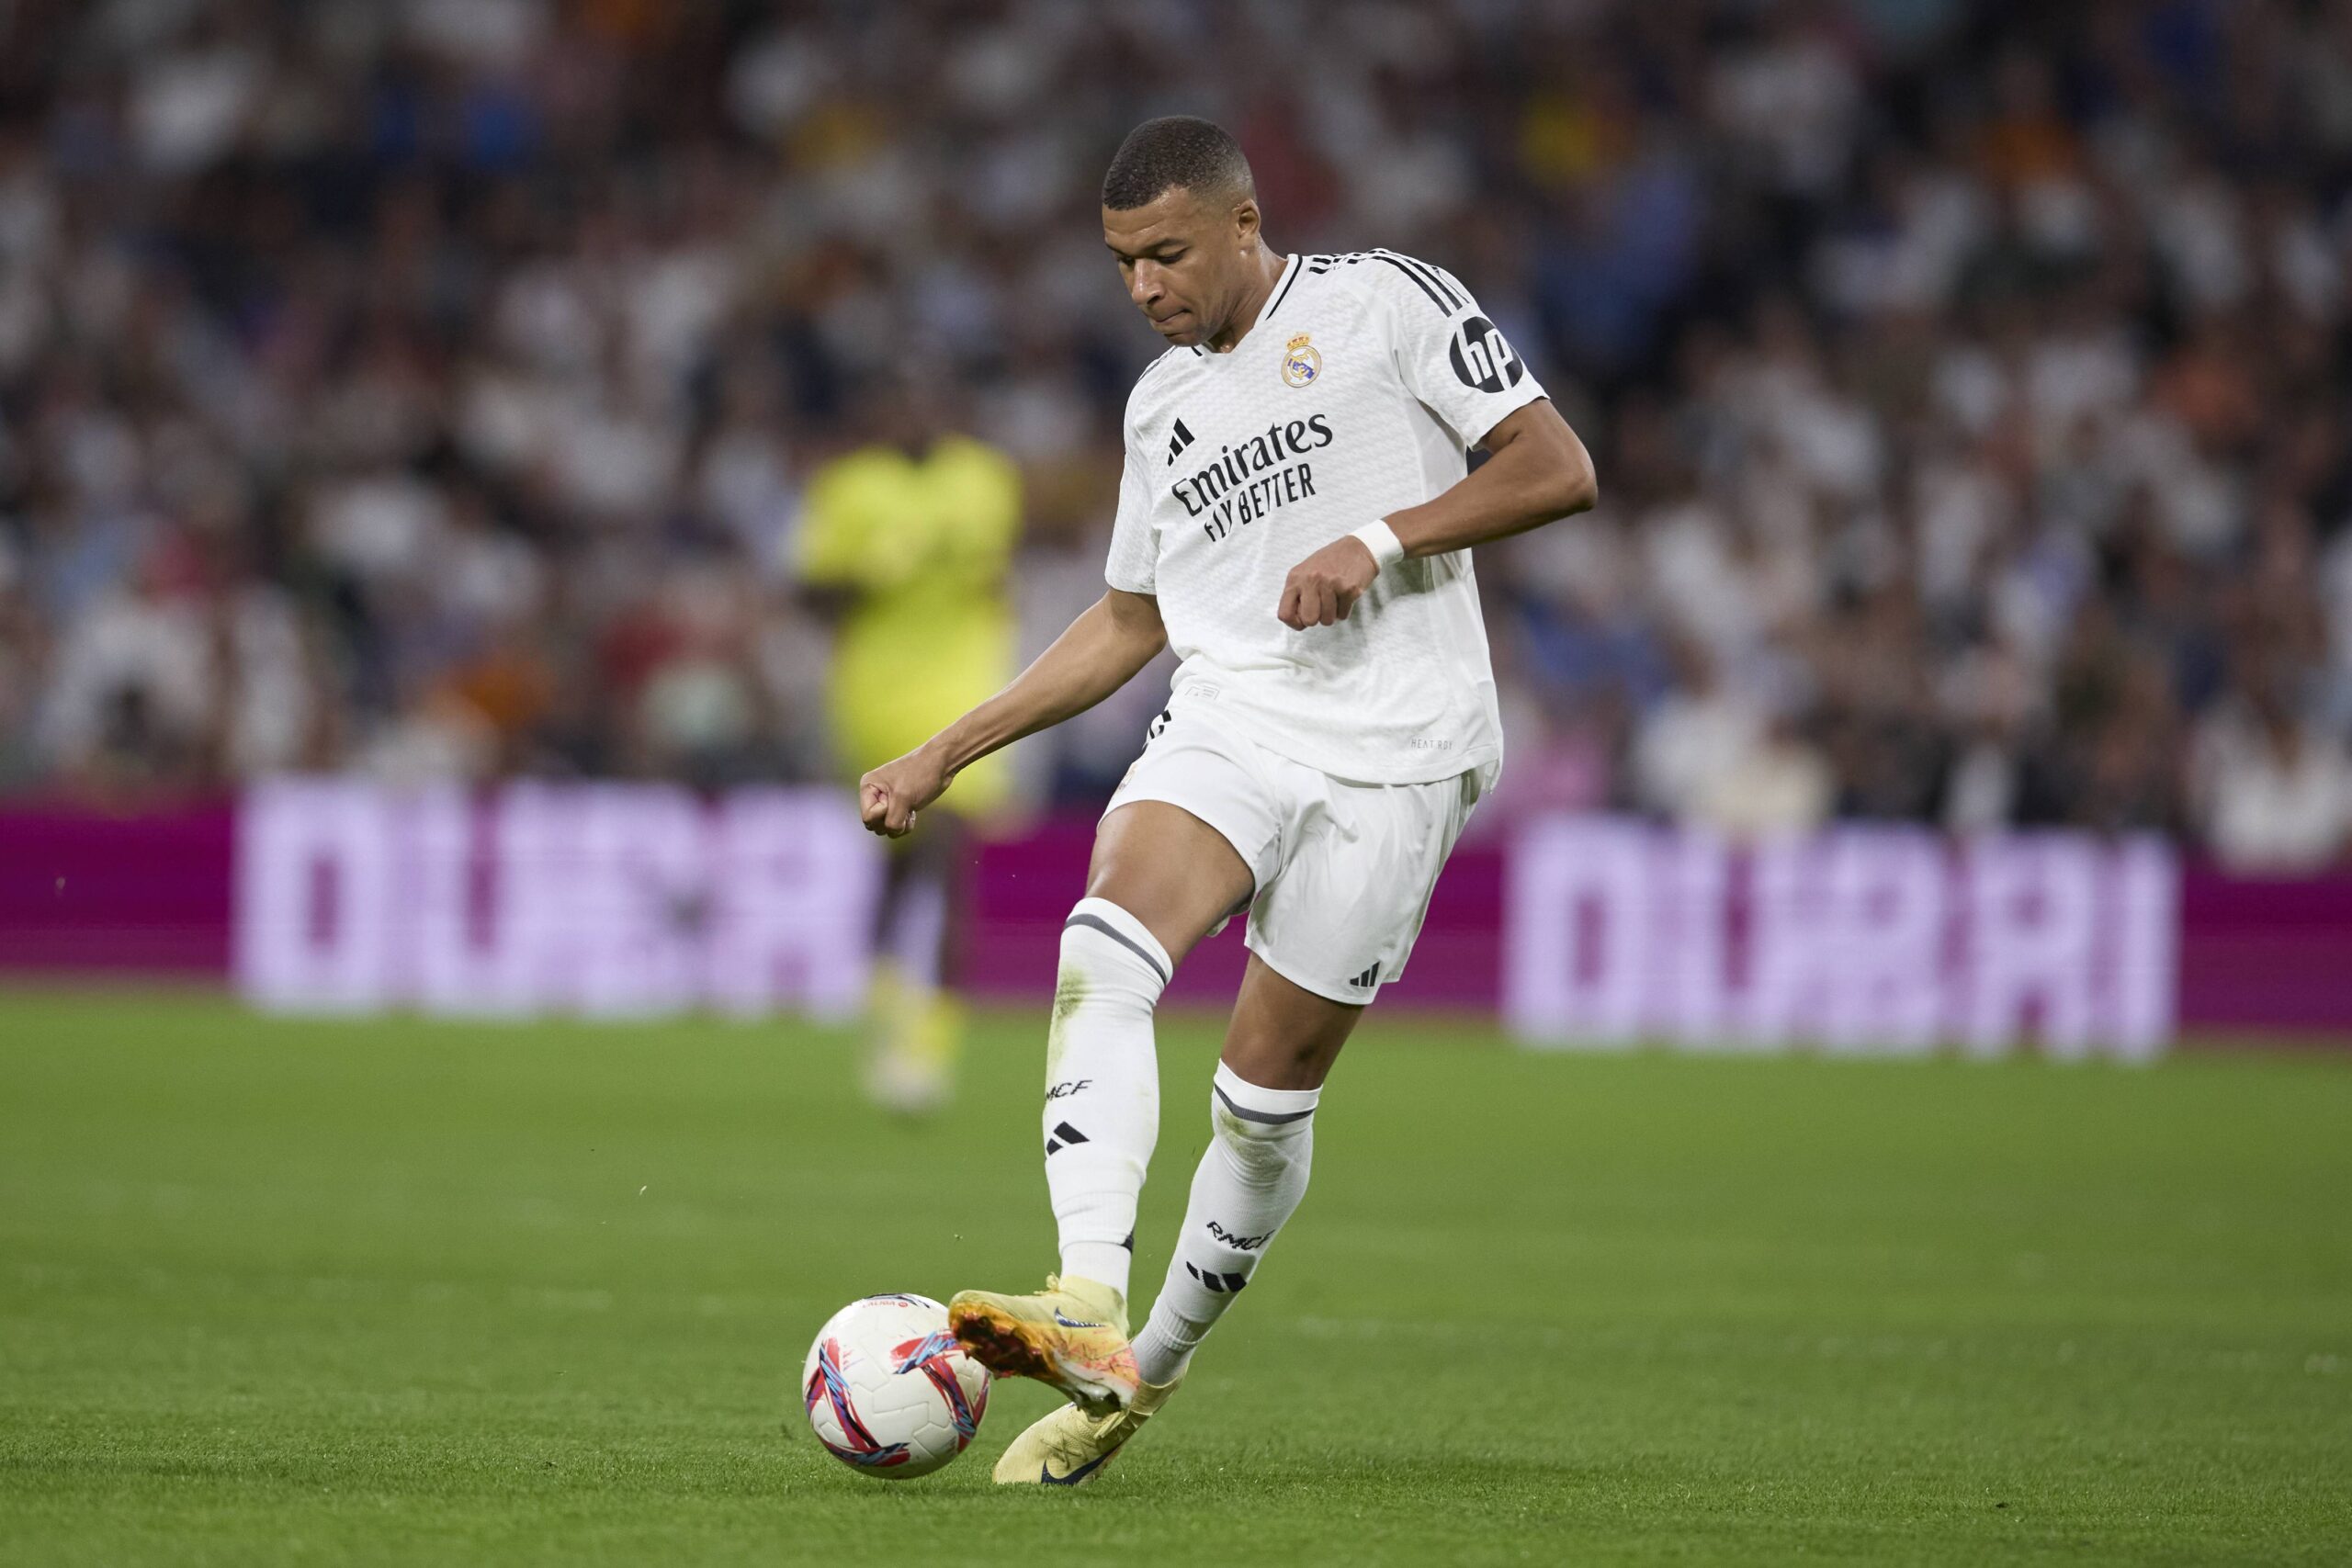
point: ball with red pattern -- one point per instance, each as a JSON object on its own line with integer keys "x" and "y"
{"x": 888, "y": 1392}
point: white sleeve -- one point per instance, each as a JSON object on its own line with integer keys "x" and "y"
{"x": 1134, "y": 566}
{"x": 1451, "y": 356}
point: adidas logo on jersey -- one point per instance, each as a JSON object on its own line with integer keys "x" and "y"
{"x": 1178, "y": 442}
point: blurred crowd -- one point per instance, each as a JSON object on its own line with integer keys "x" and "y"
{"x": 427, "y": 388}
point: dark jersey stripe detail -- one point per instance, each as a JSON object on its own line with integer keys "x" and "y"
{"x": 1087, "y": 918}
{"x": 1283, "y": 292}
{"x": 1418, "y": 282}
{"x": 1424, "y": 276}
{"x": 1423, "y": 269}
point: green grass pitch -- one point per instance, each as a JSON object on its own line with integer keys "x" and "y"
{"x": 343, "y": 1293}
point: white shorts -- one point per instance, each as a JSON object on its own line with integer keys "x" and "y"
{"x": 1343, "y": 870}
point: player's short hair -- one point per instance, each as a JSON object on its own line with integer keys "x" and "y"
{"x": 1172, "y": 152}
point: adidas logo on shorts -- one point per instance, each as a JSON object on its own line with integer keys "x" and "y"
{"x": 1368, "y": 979}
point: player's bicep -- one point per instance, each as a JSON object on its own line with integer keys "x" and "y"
{"x": 1137, "y": 631}
{"x": 1136, "y": 615}
{"x": 1547, "y": 460}
{"x": 1538, "y": 421}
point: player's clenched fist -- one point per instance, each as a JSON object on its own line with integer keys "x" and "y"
{"x": 1322, "y": 589}
{"x": 889, "y": 797}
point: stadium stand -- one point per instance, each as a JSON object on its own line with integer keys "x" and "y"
{"x": 426, "y": 389}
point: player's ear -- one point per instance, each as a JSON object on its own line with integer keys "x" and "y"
{"x": 1245, "y": 221}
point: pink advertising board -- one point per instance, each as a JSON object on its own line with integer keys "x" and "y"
{"x": 1592, "y": 931}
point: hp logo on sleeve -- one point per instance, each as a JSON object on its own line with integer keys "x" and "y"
{"x": 1482, "y": 359}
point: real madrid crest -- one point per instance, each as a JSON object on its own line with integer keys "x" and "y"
{"x": 1301, "y": 363}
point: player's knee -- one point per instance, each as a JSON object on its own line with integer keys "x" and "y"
{"x": 1107, "y": 951}
{"x": 1266, "y": 1130}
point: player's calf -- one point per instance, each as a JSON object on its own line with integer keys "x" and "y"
{"x": 1250, "y": 1182}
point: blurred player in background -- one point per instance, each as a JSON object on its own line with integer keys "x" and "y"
{"x": 1295, "y": 520}
{"x": 907, "y": 537}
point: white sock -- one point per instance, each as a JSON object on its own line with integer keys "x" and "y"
{"x": 1101, "y": 1087}
{"x": 1250, "y": 1182}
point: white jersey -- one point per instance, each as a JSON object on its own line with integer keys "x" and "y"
{"x": 1358, "y": 392}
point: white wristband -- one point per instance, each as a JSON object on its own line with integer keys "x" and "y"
{"x": 1378, "y": 537}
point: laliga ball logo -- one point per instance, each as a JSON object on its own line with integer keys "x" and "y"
{"x": 1301, "y": 363}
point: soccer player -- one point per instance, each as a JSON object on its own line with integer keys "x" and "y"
{"x": 908, "y": 539}
{"x": 1295, "y": 520}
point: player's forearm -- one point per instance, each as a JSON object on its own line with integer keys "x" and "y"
{"x": 1536, "y": 473}
{"x": 1105, "y": 647}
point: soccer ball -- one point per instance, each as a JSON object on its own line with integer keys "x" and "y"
{"x": 888, "y": 1391}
